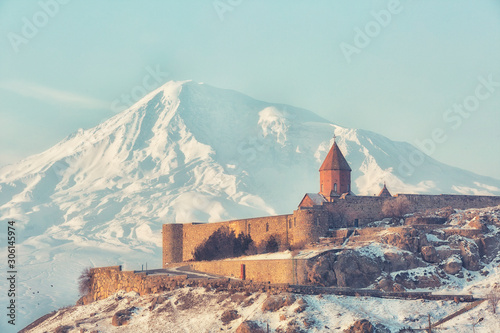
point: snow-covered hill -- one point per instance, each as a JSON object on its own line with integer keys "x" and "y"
{"x": 198, "y": 310}
{"x": 185, "y": 152}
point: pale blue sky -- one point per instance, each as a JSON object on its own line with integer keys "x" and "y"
{"x": 72, "y": 70}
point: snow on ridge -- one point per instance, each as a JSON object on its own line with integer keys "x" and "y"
{"x": 273, "y": 122}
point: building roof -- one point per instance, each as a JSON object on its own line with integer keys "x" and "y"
{"x": 385, "y": 192}
{"x": 335, "y": 160}
{"x": 316, "y": 198}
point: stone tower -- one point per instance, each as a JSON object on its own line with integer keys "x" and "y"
{"x": 334, "y": 174}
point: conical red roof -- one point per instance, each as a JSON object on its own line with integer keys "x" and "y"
{"x": 335, "y": 160}
{"x": 385, "y": 192}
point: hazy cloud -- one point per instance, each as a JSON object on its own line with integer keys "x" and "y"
{"x": 51, "y": 95}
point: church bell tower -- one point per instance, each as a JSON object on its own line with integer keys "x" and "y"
{"x": 334, "y": 174}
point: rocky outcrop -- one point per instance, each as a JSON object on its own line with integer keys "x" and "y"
{"x": 445, "y": 251}
{"x": 361, "y": 326}
{"x": 452, "y": 265}
{"x": 398, "y": 261}
{"x": 322, "y": 271}
{"x": 407, "y": 239}
{"x": 275, "y": 302}
{"x": 228, "y": 316}
{"x": 411, "y": 281}
{"x": 355, "y": 270}
{"x": 469, "y": 252}
{"x": 122, "y": 317}
{"x": 429, "y": 254}
{"x": 489, "y": 247}
{"x": 249, "y": 327}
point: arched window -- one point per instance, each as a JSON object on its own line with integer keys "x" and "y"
{"x": 267, "y": 227}
{"x": 249, "y": 230}
{"x": 335, "y": 187}
{"x": 348, "y": 187}
{"x": 290, "y": 224}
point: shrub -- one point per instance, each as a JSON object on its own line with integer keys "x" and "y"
{"x": 272, "y": 245}
{"x": 252, "y": 249}
{"x": 223, "y": 243}
{"x": 85, "y": 281}
{"x": 241, "y": 244}
{"x": 298, "y": 246}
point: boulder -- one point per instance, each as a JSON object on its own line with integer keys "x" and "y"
{"x": 249, "y": 327}
{"x": 407, "y": 239}
{"x": 470, "y": 255}
{"x": 276, "y": 302}
{"x": 361, "y": 326}
{"x": 355, "y": 270}
{"x": 321, "y": 272}
{"x": 444, "y": 252}
{"x": 453, "y": 265}
{"x": 399, "y": 261}
{"x": 122, "y": 317}
{"x": 489, "y": 247}
{"x": 386, "y": 284}
{"x": 429, "y": 254}
{"x": 228, "y": 316}
{"x": 478, "y": 223}
{"x": 63, "y": 329}
{"x": 428, "y": 280}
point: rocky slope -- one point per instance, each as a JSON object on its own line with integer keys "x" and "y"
{"x": 463, "y": 246}
{"x": 201, "y": 310}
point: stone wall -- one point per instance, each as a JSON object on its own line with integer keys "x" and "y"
{"x": 344, "y": 212}
{"x": 180, "y": 240}
{"x": 260, "y": 229}
{"x": 275, "y": 271}
{"x": 421, "y": 202}
{"x": 106, "y": 281}
{"x": 306, "y": 225}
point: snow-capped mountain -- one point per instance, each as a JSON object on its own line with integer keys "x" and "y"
{"x": 185, "y": 152}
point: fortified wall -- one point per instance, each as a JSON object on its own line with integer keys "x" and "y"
{"x": 307, "y": 224}
{"x": 360, "y": 210}
{"x": 106, "y": 281}
{"x": 180, "y": 240}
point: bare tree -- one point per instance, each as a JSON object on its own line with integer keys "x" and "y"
{"x": 493, "y": 299}
{"x": 85, "y": 281}
{"x": 396, "y": 209}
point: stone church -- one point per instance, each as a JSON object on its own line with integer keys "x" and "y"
{"x": 333, "y": 207}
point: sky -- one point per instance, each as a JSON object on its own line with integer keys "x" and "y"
{"x": 425, "y": 72}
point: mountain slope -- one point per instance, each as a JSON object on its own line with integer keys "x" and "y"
{"x": 185, "y": 152}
